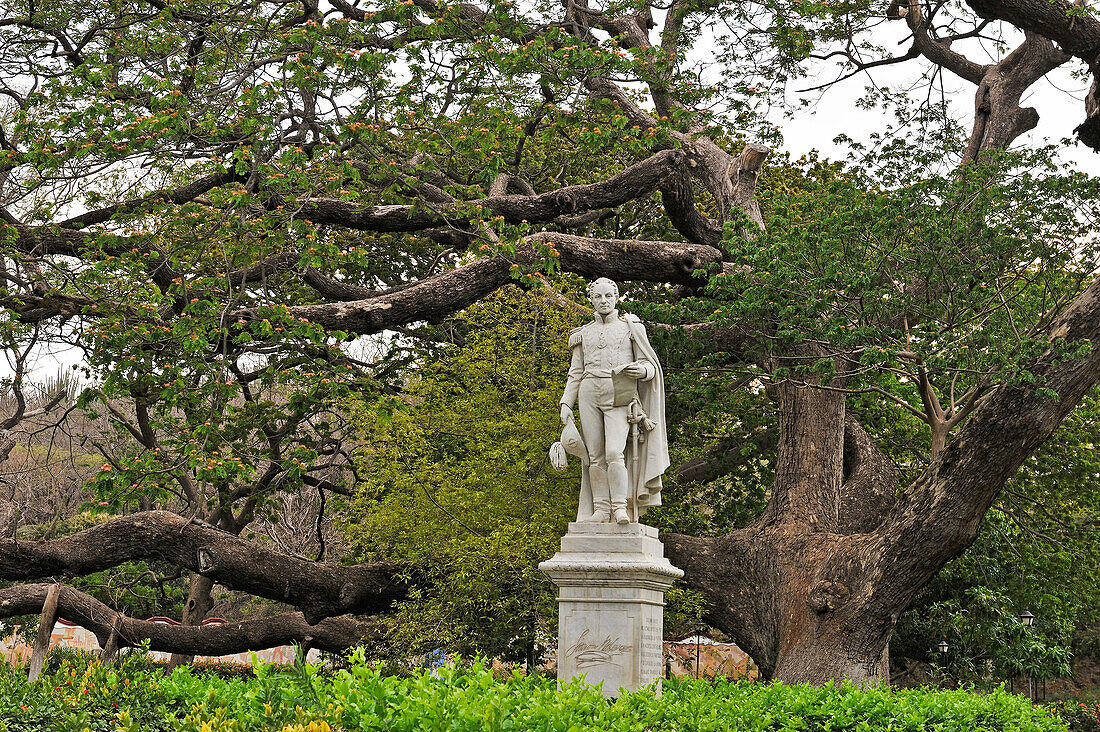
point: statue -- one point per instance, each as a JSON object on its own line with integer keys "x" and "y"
{"x": 617, "y": 384}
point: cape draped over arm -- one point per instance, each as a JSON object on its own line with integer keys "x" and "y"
{"x": 653, "y": 453}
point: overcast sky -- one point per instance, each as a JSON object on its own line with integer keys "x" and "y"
{"x": 1058, "y": 98}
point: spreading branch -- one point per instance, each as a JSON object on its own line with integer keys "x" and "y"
{"x": 320, "y": 590}
{"x": 944, "y": 506}
{"x": 1073, "y": 29}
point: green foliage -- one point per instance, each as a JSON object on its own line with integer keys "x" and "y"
{"x": 996, "y": 248}
{"x": 459, "y": 482}
{"x": 684, "y": 611}
{"x": 471, "y": 698}
{"x": 83, "y": 520}
{"x": 713, "y": 418}
{"x": 214, "y": 416}
{"x": 986, "y": 640}
{"x": 993, "y": 247}
{"x": 1038, "y": 550}
{"x": 975, "y": 602}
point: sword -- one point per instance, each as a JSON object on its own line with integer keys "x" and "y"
{"x": 635, "y": 466}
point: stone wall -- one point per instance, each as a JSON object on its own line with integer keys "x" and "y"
{"x": 706, "y": 659}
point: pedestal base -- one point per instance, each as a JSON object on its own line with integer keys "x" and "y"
{"x": 612, "y": 581}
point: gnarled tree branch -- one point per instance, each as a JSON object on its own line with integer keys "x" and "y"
{"x": 334, "y": 634}
{"x": 320, "y": 590}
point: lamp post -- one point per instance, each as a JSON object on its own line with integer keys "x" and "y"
{"x": 942, "y": 659}
{"x": 1029, "y": 621}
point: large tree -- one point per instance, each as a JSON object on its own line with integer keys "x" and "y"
{"x": 213, "y": 197}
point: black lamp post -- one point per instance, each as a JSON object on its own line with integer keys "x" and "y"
{"x": 1029, "y": 621}
{"x": 942, "y": 648}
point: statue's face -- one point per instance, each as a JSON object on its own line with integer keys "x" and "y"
{"x": 603, "y": 298}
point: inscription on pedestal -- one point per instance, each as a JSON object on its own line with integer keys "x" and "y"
{"x": 589, "y": 651}
{"x": 652, "y": 647}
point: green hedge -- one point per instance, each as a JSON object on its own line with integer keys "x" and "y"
{"x": 81, "y": 695}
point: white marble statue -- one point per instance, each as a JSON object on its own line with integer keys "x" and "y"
{"x": 617, "y": 384}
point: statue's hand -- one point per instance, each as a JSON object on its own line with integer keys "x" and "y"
{"x": 634, "y": 371}
{"x": 566, "y": 414}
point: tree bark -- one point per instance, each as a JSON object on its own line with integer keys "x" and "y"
{"x": 1076, "y": 33}
{"x": 824, "y": 630}
{"x": 998, "y": 117}
{"x": 433, "y": 297}
{"x": 810, "y": 458}
{"x": 818, "y": 570}
{"x": 870, "y": 483}
{"x": 430, "y": 298}
{"x": 111, "y": 647}
{"x": 788, "y": 588}
{"x": 45, "y": 630}
{"x": 199, "y": 602}
{"x": 638, "y": 180}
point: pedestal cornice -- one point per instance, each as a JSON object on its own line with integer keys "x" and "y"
{"x": 617, "y": 555}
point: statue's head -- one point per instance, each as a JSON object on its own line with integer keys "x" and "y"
{"x": 604, "y": 295}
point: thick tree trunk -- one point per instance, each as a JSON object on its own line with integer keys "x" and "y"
{"x": 1075, "y": 34}
{"x": 814, "y": 595}
{"x": 799, "y": 603}
{"x": 815, "y": 580}
{"x": 826, "y": 631}
{"x": 804, "y": 571}
{"x": 810, "y": 460}
{"x": 200, "y": 600}
{"x": 998, "y": 117}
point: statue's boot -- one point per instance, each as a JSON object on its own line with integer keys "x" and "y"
{"x": 601, "y": 496}
{"x": 618, "y": 484}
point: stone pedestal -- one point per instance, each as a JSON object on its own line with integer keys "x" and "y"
{"x": 612, "y": 581}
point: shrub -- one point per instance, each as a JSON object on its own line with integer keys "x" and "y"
{"x": 1078, "y": 716}
{"x": 58, "y": 655}
{"x": 77, "y": 693}
{"x": 81, "y": 694}
{"x": 223, "y": 670}
{"x": 364, "y": 697}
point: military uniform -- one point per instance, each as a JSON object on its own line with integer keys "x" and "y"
{"x": 600, "y": 350}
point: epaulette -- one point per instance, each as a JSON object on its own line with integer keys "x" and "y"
{"x": 575, "y": 337}
{"x": 630, "y": 318}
